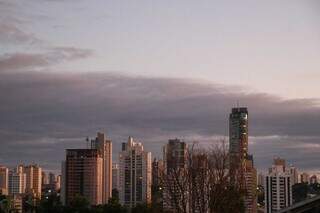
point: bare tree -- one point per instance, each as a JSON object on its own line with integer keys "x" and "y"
{"x": 204, "y": 184}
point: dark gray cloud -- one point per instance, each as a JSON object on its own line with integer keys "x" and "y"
{"x": 42, "y": 114}
{"x": 18, "y": 61}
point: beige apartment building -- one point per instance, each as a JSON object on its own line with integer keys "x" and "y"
{"x": 104, "y": 146}
{"x": 33, "y": 180}
{"x": 4, "y": 180}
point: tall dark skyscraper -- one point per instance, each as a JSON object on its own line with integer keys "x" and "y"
{"x": 174, "y": 158}
{"x": 240, "y": 161}
{"x": 238, "y": 133}
{"x": 174, "y": 155}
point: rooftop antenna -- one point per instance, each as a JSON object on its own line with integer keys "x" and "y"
{"x": 238, "y": 104}
{"x": 87, "y": 140}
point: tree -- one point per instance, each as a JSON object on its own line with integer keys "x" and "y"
{"x": 141, "y": 208}
{"x": 260, "y": 196}
{"x": 300, "y": 192}
{"x": 204, "y": 184}
{"x": 50, "y": 204}
{"x": 113, "y": 206}
{"x": 6, "y": 204}
{"x": 79, "y": 204}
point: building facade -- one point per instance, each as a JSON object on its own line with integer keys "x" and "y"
{"x": 261, "y": 179}
{"x": 33, "y": 180}
{"x": 134, "y": 174}
{"x": 313, "y": 179}
{"x": 174, "y": 158}
{"x": 52, "y": 178}
{"x": 58, "y": 183}
{"x": 241, "y": 163}
{"x": 304, "y": 177}
{"x": 250, "y": 175}
{"x": 83, "y": 175}
{"x": 156, "y": 189}
{"x": 278, "y": 187}
{"x": 157, "y": 172}
{"x": 4, "y": 180}
{"x": 294, "y": 174}
{"x": 174, "y": 155}
{"x": 104, "y": 146}
{"x": 115, "y": 176}
{"x": 44, "y": 178}
{"x": 238, "y": 136}
{"x": 17, "y": 182}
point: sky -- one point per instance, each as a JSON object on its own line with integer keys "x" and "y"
{"x": 158, "y": 70}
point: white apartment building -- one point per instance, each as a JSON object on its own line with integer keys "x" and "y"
{"x": 278, "y": 188}
{"x": 134, "y": 174}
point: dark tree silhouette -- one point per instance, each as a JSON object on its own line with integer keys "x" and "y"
{"x": 204, "y": 184}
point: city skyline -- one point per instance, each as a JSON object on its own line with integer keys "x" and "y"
{"x": 157, "y": 72}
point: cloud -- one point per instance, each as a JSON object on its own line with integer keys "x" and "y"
{"x": 299, "y": 151}
{"x": 18, "y": 61}
{"x": 11, "y": 34}
{"x": 43, "y": 114}
{"x": 24, "y": 50}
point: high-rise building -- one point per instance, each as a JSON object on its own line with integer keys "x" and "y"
{"x": 174, "y": 159}
{"x": 250, "y": 176}
{"x": 58, "y": 182}
{"x": 304, "y": 177}
{"x": 17, "y": 182}
{"x": 100, "y": 156}
{"x": 313, "y": 179}
{"x": 52, "y": 178}
{"x": 33, "y": 180}
{"x": 17, "y": 203}
{"x": 115, "y": 176}
{"x": 278, "y": 187}
{"x": 280, "y": 163}
{"x": 4, "y": 180}
{"x": 261, "y": 179}
{"x": 157, "y": 172}
{"x": 174, "y": 155}
{"x": 104, "y": 146}
{"x": 238, "y": 135}
{"x": 240, "y": 160}
{"x": 63, "y": 186}
{"x": 83, "y": 175}
{"x": 134, "y": 174}
{"x": 294, "y": 174}
{"x": 44, "y": 178}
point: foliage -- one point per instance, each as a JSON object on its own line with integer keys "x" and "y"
{"x": 113, "y": 206}
{"x": 142, "y": 208}
{"x": 50, "y": 204}
{"x": 79, "y": 204}
{"x": 260, "y": 195}
{"x": 301, "y": 191}
{"x": 6, "y": 204}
